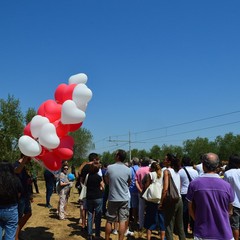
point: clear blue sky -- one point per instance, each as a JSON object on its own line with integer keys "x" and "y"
{"x": 150, "y": 64}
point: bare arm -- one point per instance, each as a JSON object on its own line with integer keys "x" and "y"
{"x": 102, "y": 185}
{"x": 138, "y": 186}
{"x": 191, "y": 210}
{"x": 230, "y": 209}
{"x": 165, "y": 184}
{"x": 106, "y": 179}
{"x": 24, "y": 161}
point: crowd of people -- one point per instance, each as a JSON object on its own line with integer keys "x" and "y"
{"x": 207, "y": 207}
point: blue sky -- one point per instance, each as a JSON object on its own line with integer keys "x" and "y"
{"x": 151, "y": 65}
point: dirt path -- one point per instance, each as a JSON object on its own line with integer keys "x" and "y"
{"x": 44, "y": 224}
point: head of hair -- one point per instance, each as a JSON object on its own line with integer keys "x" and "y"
{"x": 8, "y": 180}
{"x": 155, "y": 167}
{"x": 145, "y": 161}
{"x": 121, "y": 155}
{"x": 186, "y": 161}
{"x": 174, "y": 161}
{"x": 93, "y": 169}
{"x": 135, "y": 161}
{"x": 233, "y": 162}
{"x": 210, "y": 162}
{"x": 92, "y": 156}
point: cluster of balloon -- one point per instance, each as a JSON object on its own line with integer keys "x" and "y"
{"x": 46, "y": 136}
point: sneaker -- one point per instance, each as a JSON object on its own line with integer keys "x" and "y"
{"x": 49, "y": 206}
{"x": 128, "y": 233}
{"x": 114, "y": 231}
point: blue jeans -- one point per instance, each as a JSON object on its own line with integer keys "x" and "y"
{"x": 8, "y": 221}
{"x": 49, "y": 189}
{"x": 94, "y": 205}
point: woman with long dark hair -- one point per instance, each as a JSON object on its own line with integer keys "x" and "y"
{"x": 10, "y": 190}
{"x": 172, "y": 214}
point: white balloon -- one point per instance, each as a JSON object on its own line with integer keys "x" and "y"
{"x": 48, "y": 136}
{"x": 81, "y": 95}
{"x": 36, "y": 124}
{"x": 71, "y": 114}
{"x": 82, "y": 106}
{"x": 28, "y": 146}
{"x": 78, "y": 78}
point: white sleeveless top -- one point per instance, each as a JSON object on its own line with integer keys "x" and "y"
{"x": 176, "y": 179}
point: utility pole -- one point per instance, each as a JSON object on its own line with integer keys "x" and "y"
{"x": 129, "y": 144}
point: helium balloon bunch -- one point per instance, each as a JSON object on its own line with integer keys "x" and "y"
{"x": 46, "y": 136}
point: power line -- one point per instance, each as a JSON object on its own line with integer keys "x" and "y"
{"x": 129, "y": 141}
{"x": 195, "y": 130}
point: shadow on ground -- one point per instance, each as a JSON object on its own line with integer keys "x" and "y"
{"x": 36, "y": 233}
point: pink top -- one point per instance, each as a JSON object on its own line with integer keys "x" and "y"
{"x": 141, "y": 172}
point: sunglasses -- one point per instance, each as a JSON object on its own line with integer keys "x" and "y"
{"x": 65, "y": 168}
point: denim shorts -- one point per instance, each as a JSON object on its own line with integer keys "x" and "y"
{"x": 24, "y": 206}
{"x": 8, "y": 221}
{"x": 117, "y": 211}
{"x": 235, "y": 218}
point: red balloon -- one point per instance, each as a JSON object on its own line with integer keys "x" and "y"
{"x": 44, "y": 151}
{"x": 65, "y": 148}
{"x": 27, "y": 131}
{"x": 59, "y": 93}
{"x": 74, "y": 127}
{"x": 68, "y": 92}
{"x": 52, "y": 161}
{"x": 61, "y": 129}
{"x": 64, "y": 92}
{"x": 51, "y": 110}
{"x": 64, "y": 153}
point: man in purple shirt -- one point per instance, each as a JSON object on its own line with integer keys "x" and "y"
{"x": 210, "y": 202}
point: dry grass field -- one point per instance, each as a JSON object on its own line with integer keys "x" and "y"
{"x": 44, "y": 223}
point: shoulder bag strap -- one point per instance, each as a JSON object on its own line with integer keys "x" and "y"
{"x": 189, "y": 178}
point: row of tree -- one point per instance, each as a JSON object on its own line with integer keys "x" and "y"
{"x": 13, "y": 121}
{"x": 224, "y": 146}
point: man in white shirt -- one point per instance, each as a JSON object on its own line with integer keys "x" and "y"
{"x": 232, "y": 175}
{"x": 187, "y": 174}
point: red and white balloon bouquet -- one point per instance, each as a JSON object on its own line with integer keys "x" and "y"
{"x": 46, "y": 136}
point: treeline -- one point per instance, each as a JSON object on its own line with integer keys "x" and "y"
{"x": 224, "y": 146}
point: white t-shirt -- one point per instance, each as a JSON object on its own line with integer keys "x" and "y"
{"x": 184, "y": 178}
{"x": 233, "y": 177}
{"x": 199, "y": 169}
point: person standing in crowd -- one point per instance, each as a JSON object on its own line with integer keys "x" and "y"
{"x": 64, "y": 185}
{"x": 49, "y": 183}
{"x": 105, "y": 191}
{"x": 210, "y": 199}
{"x": 10, "y": 191}
{"x": 134, "y": 191}
{"x": 93, "y": 158}
{"x": 95, "y": 187}
{"x": 187, "y": 174}
{"x": 173, "y": 215}
{"x": 34, "y": 173}
{"x": 232, "y": 175}
{"x": 118, "y": 176}
{"x": 141, "y": 172}
{"x": 199, "y": 166}
{"x": 154, "y": 218}
{"x": 24, "y": 204}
